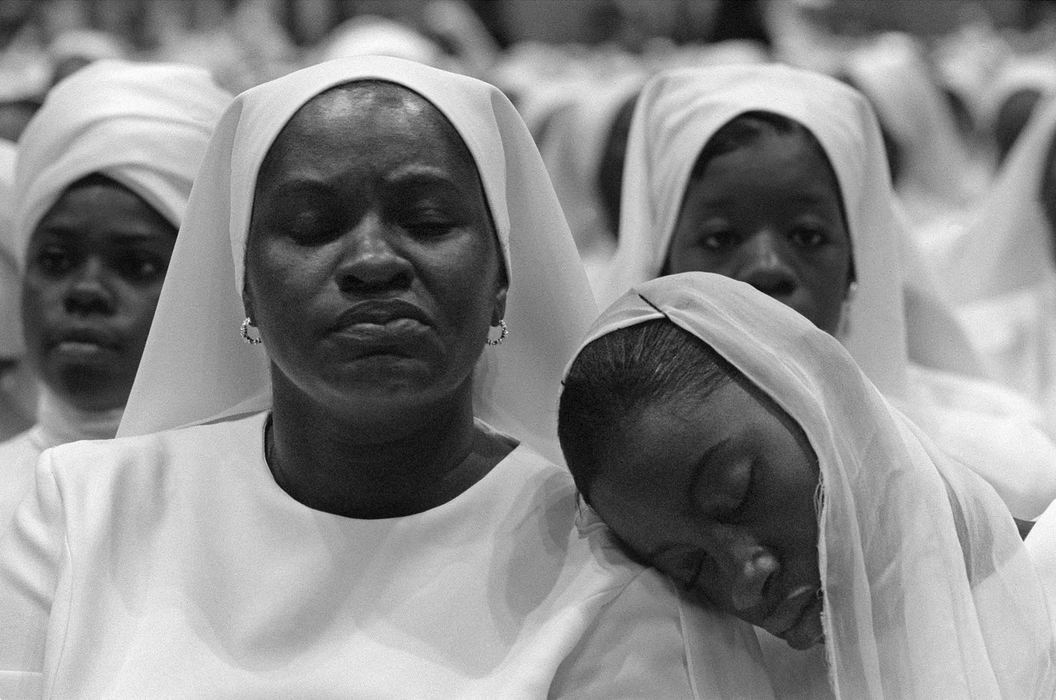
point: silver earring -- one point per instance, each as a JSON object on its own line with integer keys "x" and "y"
{"x": 503, "y": 333}
{"x": 245, "y": 333}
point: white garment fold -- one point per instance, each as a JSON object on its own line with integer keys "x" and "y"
{"x": 929, "y": 591}
{"x": 990, "y": 429}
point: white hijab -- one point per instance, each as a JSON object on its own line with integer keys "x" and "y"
{"x": 572, "y": 147}
{"x": 679, "y": 111}
{"x": 928, "y": 589}
{"x": 145, "y": 126}
{"x": 978, "y": 422}
{"x": 936, "y": 178}
{"x": 195, "y": 365}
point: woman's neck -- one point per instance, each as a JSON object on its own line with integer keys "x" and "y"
{"x": 388, "y": 466}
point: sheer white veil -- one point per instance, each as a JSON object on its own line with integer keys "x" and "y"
{"x": 928, "y": 589}
{"x": 195, "y": 365}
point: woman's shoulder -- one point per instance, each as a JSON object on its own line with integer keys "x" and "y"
{"x": 178, "y": 448}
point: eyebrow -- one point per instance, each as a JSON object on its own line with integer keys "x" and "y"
{"x": 420, "y": 177}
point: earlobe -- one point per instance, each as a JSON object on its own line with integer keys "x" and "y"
{"x": 498, "y": 312}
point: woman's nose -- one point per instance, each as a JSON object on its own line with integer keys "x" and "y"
{"x": 88, "y": 292}
{"x": 749, "y": 567}
{"x": 764, "y": 264}
{"x": 370, "y": 260}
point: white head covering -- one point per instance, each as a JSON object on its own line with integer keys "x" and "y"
{"x": 372, "y": 35}
{"x": 1007, "y": 247}
{"x": 934, "y": 159}
{"x": 1027, "y": 72}
{"x": 679, "y": 111}
{"x": 928, "y": 588}
{"x": 144, "y": 125}
{"x": 972, "y": 418}
{"x": 89, "y": 44}
{"x": 11, "y": 343}
{"x": 196, "y": 366}
{"x": 572, "y": 147}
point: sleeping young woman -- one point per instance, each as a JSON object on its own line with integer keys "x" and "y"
{"x": 738, "y": 448}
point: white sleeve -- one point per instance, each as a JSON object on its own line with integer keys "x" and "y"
{"x": 32, "y": 554}
{"x": 650, "y": 643}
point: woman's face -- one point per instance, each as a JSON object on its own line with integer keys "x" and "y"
{"x": 769, "y": 214}
{"x": 94, "y": 270}
{"x": 719, "y": 494}
{"x": 372, "y": 268}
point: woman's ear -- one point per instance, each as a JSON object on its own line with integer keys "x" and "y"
{"x": 247, "y": 304}
{"x": 499, "y": 312}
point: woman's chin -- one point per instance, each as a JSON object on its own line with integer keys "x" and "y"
{"x": 808, "y": 631}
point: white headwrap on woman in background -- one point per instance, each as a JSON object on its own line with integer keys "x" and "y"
{"x": 935, "y": 178}
{"x": 928, "y": 589}
{"x": 195, "y": 365}
{"x": 144, "y": 126}
{"x": 1002, "y": 271}
{"x": 978, "y": 422}
{"x": 572, "y": 147}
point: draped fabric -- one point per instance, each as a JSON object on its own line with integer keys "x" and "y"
{"x": 572, "y": 148}
{"x": 144, "y": 125}
{"x": 1001, "y": 270}
{"x": 11, "y": 343}
{"x": 928, "y": 590}
{"x": 993, "y": 431}
{"x": 196, "y": 366}
{"x": 936, "y": 177}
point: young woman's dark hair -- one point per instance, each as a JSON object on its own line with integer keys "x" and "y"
{"x": 616, "y": 376}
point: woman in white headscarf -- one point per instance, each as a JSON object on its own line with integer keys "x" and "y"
{"x": 373, "y": 507}
{"x": 17, "y": 392}
{"x": 842, "y": 270}
{"x": 766, "y": 475}
{"x": 104, "y": 171}
{"x": 934, "y": 174}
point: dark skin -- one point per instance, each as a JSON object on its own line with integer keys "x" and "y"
{"x": 369, "y": 219}
{"x": 94, "y": 270}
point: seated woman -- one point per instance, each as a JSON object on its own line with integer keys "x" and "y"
{"x": 735, "y": 446}
{"x": 367, "y": 505}
{"x": 104, "y": 172}
{"x": 776, "y": 177}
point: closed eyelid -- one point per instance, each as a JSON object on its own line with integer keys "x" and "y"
{"x": 721, "y": 481}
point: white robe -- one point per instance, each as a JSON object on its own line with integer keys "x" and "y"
{"x": 172, "y": 565}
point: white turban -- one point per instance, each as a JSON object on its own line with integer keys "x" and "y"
{"x": 145, "y": 126}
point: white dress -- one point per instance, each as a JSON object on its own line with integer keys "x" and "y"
{"x": 173, "y": 565}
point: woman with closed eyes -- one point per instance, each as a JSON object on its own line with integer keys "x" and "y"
{"x": 739, "y": 449}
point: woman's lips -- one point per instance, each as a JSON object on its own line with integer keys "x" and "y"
{"x": 789, "y": 612}
{"x": 83, "y": 342}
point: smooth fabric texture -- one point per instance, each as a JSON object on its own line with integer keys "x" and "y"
{"x": 936, "y": 177}
{"x": 929, "y": 591}
{"x": 57, "y": 423}
{"x": 575, "y": 140}
{"x": 11, "y": 342}
{"x": 173, "y": 565}
{"x": 1001, "y": 271}
{"x": 195, "y": 365}
{"x": 990, "y": 429}
{"x": 144, "y": 125}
